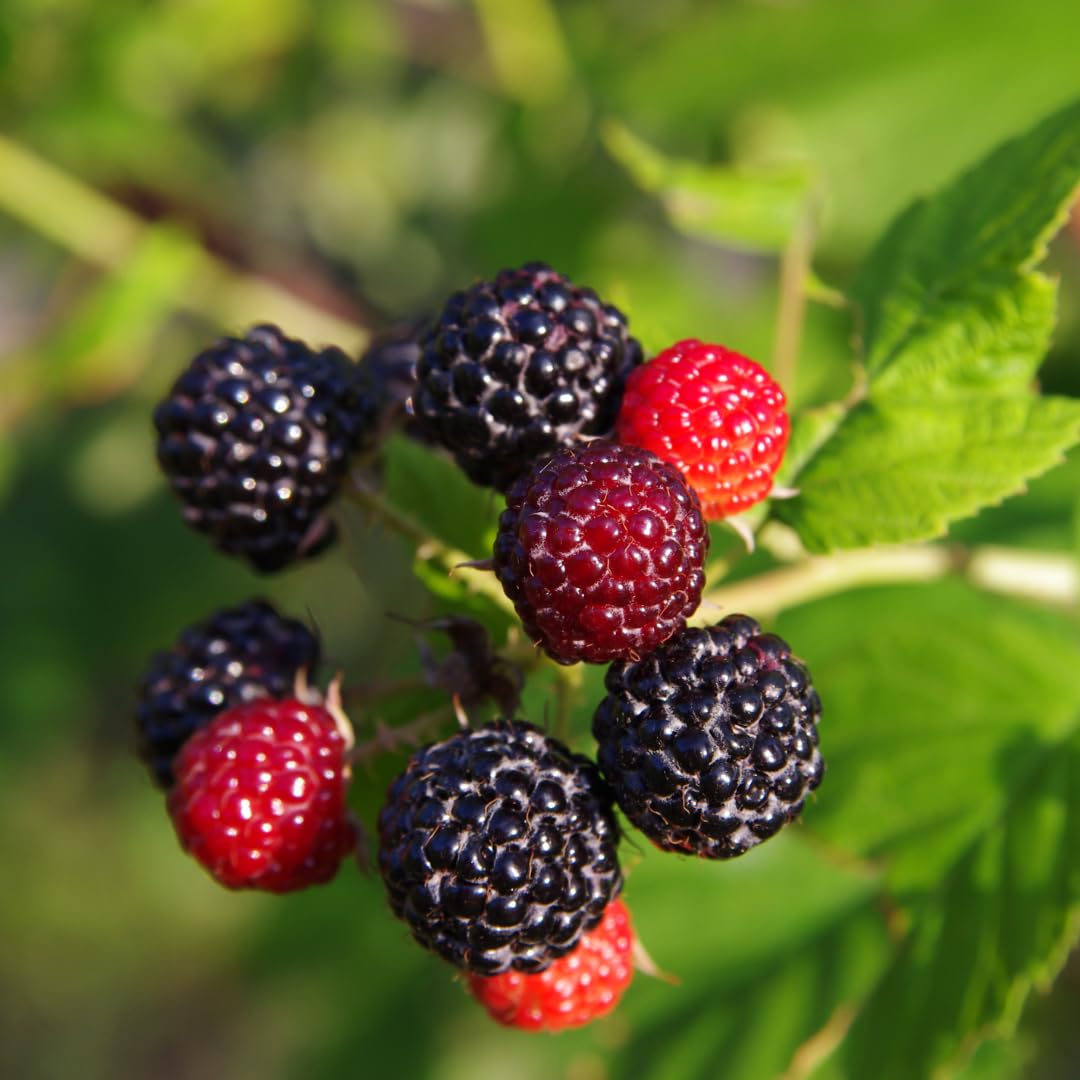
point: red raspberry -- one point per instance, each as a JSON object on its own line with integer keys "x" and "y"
{"x": 575, "y": 990}
{"x": 602, "y": 550}
{"x": 259, "y": 797}
{"x": 716, "y": 415}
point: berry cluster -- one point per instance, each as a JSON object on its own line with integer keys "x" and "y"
{"x": 497, "y": 846}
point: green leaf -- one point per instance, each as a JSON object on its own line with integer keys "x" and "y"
{"x": 919, "y": 714}
{"x": 757, "y": 208}
{"x": 952, "y": 736}
{"x": 450, "y": 522}
{"x": 991, "y": 225}
{"x": 1003, "y": 922}
{"x": 902, "y": 471}
{"x": 760, "y": 975}
{"x": 810, "y": 430}
{"x": 426, "y": 485}
{"x": 475, "y": 593}
{"x": 997, "y": 1059}
{"x": 955, "y": 323}
{"x": 989, "y": 339}
{"x": 1044, "y": 518}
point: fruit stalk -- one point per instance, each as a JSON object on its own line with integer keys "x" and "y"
{"x": 1040, "y": 576}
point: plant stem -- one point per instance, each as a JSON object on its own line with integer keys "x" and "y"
{"x": 395, "y": 519}
{"x": 1029, "y": 575}
{"x": 794, "y": 269}
{"x": 567, "y": 683}
{"x": 367, "y": 694}
{"x": 388, "y": 739}
{"x": 101, "y": 231}
{"x": 526, "y": 48}
{"x": 428, "y": 547}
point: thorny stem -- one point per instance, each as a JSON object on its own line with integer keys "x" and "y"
{"x": 398, "y": 521}
{"x": 387, "y": 739}
{"x": 428, "y": 547}
{"x": 376, "y": 691}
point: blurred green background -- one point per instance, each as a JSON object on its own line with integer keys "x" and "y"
{"x": 170, "y": 171}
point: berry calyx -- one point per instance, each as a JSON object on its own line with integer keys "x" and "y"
{"x": 711, "y": 742}
{"x": 259, "y": 797}
{"x": 602, "y": 550}
{"x": 236, "y": 655}
{"x": 498, "y": 847}
{"x": 518, "y": 366}
{"x": 716, "y": 415}
{"x": 577, "y": 989}
{"x": 255, "y": 438}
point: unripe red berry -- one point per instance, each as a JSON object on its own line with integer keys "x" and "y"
{"x": 716, "y": 415}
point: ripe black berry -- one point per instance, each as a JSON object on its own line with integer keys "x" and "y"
{"x": 711, "y": 743}
{"x": 235, "y": 656}
{"x": 602, "y": 550}
{"x": 498, "y": 848}
{"x": 255, "y": 438}
{"x": 518, "y": 366}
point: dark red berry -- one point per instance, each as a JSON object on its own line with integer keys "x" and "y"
{"x": 716, "y": 415}
{"x": 602, "y": 550}
{"x": 259, "y": 797}
{"x": 577, "y": 989}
